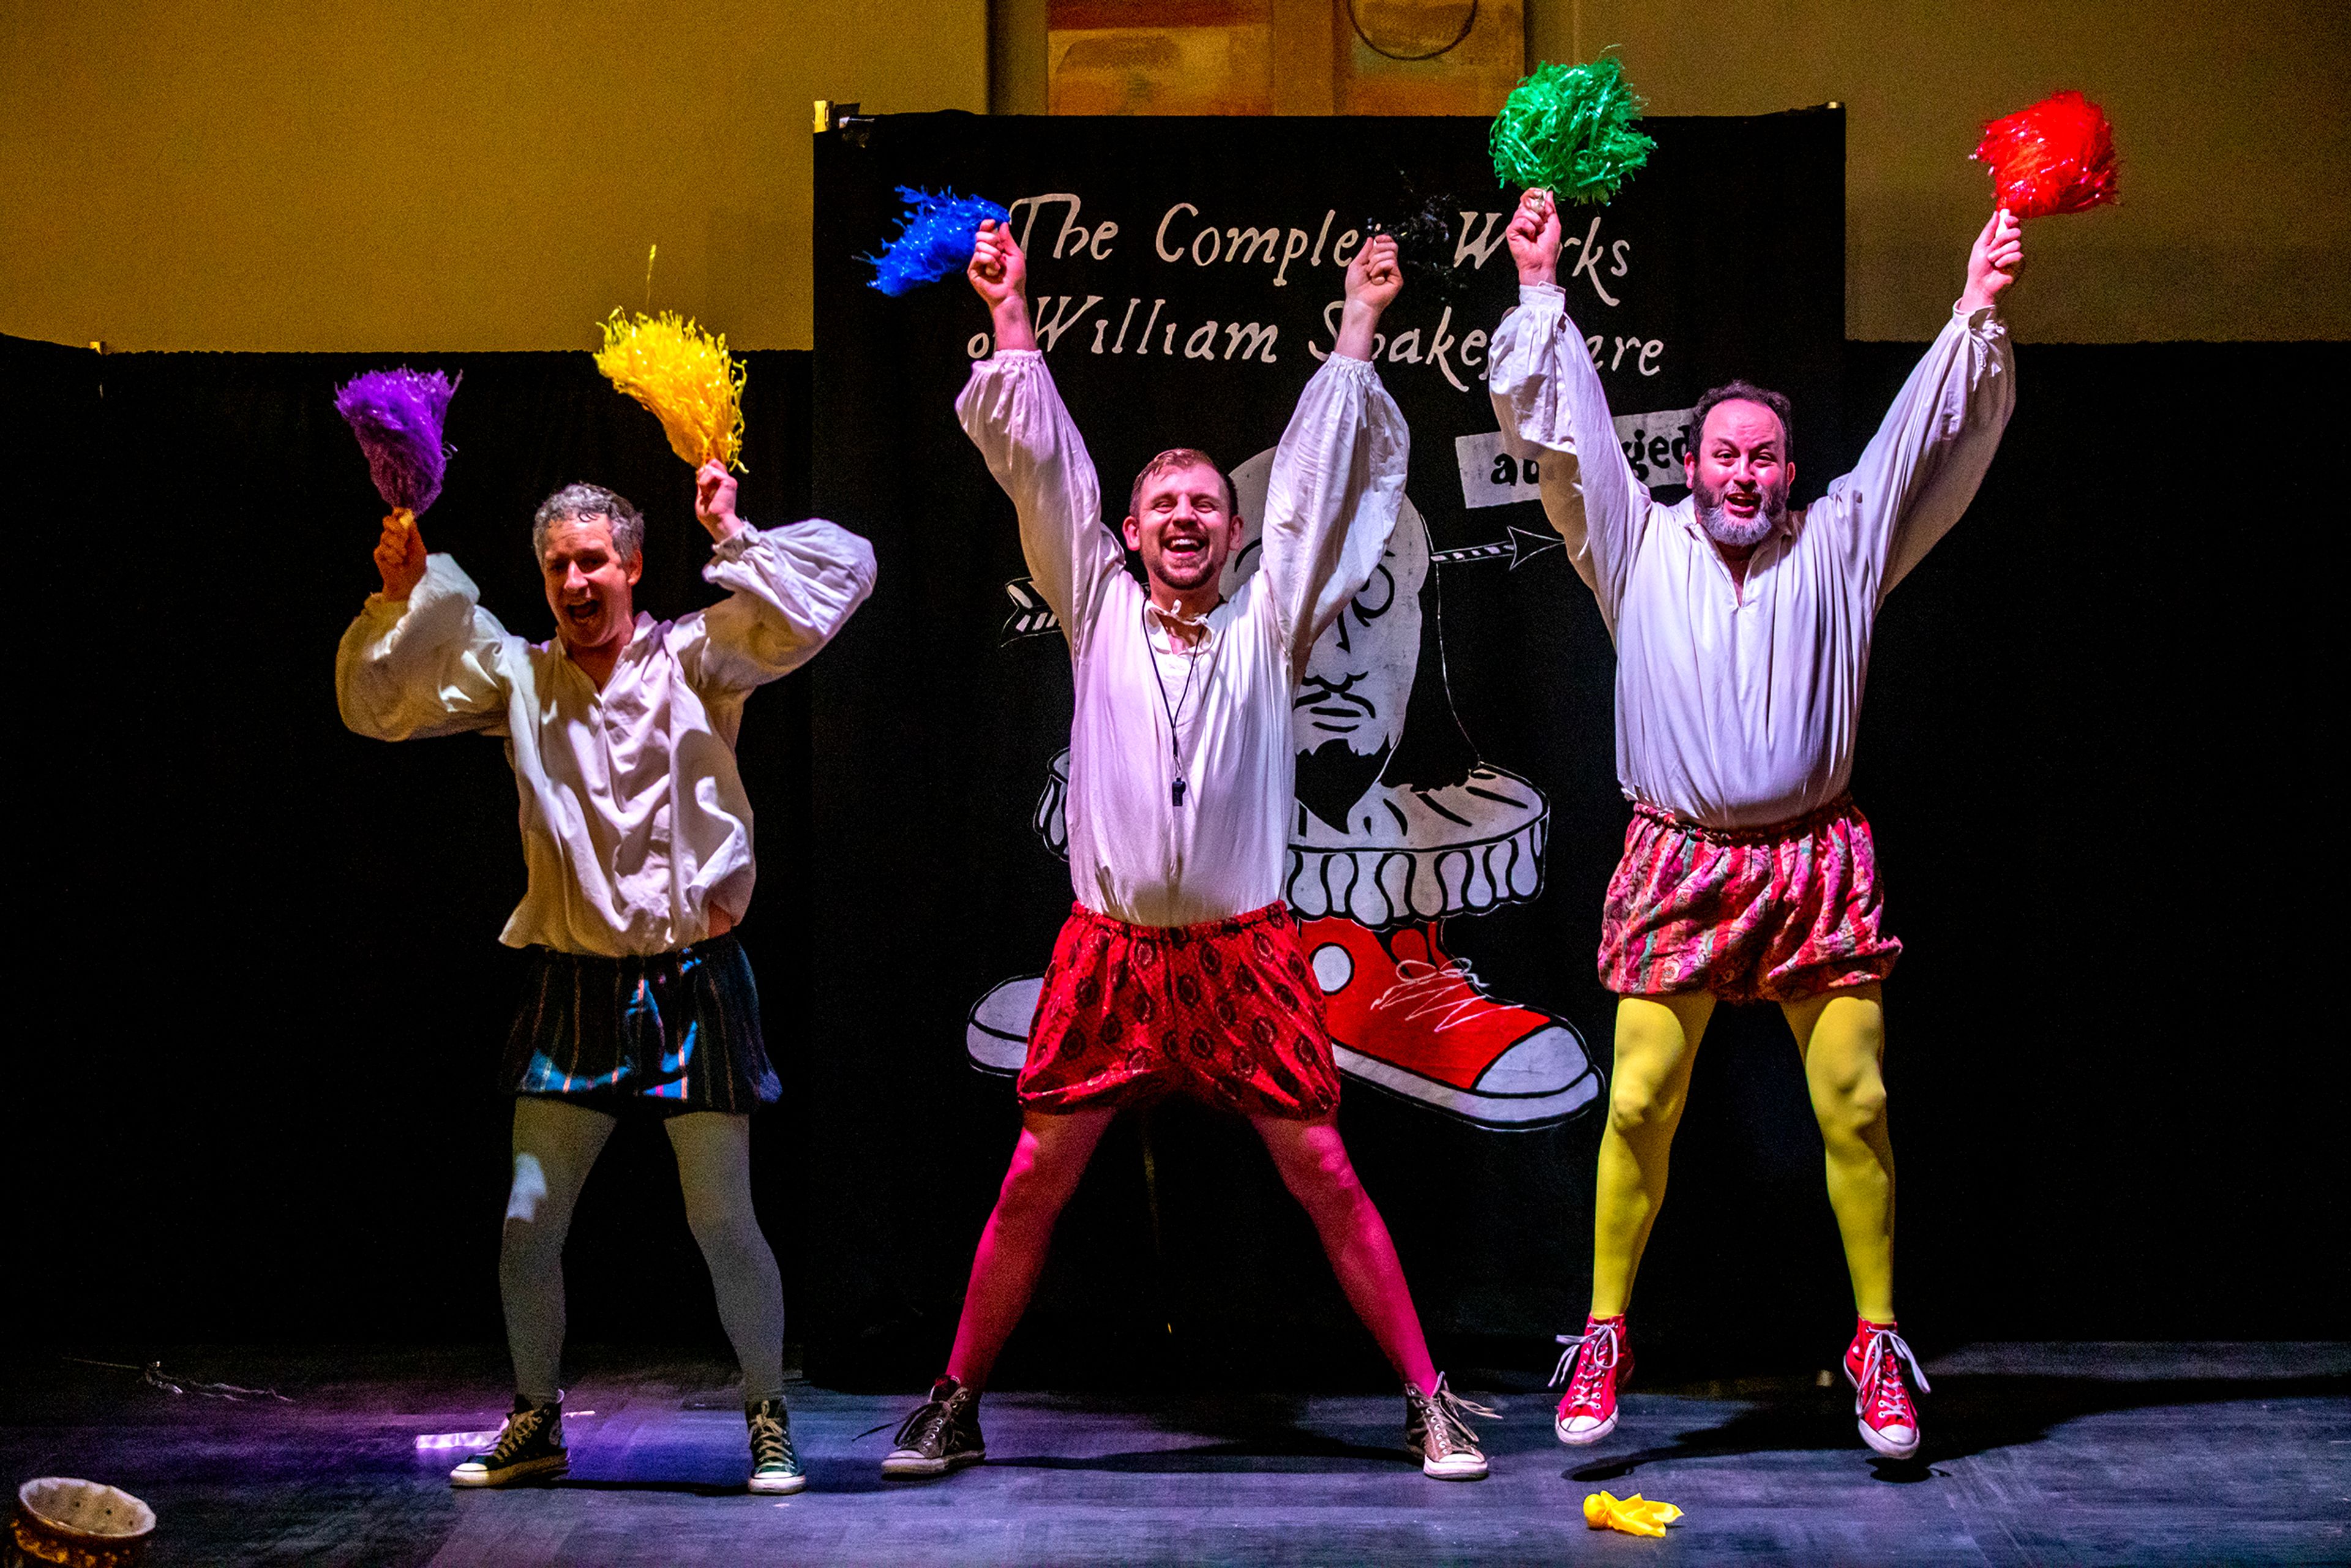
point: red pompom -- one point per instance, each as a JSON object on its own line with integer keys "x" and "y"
{"x": 2057, "y": 156}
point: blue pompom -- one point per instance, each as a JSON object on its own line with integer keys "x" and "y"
{"x": 935, "y": 234}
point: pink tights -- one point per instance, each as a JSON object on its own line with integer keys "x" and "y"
{"x": 1053, "y": 1153}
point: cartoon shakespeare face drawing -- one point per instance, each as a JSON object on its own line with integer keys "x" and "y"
{"x": 1400, "y": 827}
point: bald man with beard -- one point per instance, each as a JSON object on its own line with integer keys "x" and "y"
{"x": 1742, "y": 630}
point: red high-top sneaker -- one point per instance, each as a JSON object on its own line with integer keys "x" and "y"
{"x": 1874, "y": 1362}
{"x": 1594, "y": 1365}
{"x": 1409, "y": 1018}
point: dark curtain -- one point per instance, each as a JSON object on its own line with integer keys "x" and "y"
{"x": 259, "y": 993}
{"x": 250, "y": 1085}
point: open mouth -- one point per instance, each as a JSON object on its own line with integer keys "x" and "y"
{"x": 1742, "y": 506}
{"x": 583, "y": 614}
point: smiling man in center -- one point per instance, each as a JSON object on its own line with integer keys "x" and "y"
{"x": 1180, "y": 970}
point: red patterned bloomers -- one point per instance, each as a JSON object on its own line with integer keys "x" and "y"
{"x": 1774, "y": 914}
{"x": 1227, "y": 1012}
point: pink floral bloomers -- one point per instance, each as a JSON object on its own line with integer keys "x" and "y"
{"x": 1776, "y": 914}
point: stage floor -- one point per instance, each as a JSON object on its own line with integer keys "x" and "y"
{"x": 2124, "y": 1453}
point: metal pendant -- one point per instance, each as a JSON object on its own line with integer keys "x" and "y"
{"x": 1175, "y": 791}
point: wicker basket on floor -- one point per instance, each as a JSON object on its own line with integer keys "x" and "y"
{"x": 78, "y": 1524}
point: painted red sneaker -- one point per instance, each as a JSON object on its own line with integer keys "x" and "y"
{"x": 1406, "y": 1015}
{"x": 1594, "y": 1365}
{"x": 1873, "y": 1363}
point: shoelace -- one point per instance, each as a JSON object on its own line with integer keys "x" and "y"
{"x": 1607, "y": 1345}
{"x": 914, "y": 1431}
{"x": 1881, "y": 1359}
{"x": 521, "y": 1426}
{"x": 1452, "y": 1411}
{"x": 770, "y": 1442}
{"x": 1449, "y": 989}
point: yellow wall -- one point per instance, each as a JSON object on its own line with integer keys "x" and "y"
{"x": 365, "y": 175}
{"x": 2230, "y": 119}
{"x": 371, "y": 175}
{"x": 2233, "y": 121}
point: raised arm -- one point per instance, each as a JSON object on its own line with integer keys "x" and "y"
{"x": 1548, "y": 399}
{"x": 1014, "y": 414}
{"x": 424, "y": 658}
{"x": 1338, "y": 476}
{"x": 1923, "y": 466}
{"x": 790, "y": 589}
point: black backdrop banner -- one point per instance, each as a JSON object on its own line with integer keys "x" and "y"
{"x": 1459, "y": 811}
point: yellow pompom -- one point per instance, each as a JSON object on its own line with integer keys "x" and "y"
{"x": 686, "y": 376}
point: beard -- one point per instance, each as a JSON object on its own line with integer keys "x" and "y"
{"x": 1331, "y": 777}
{"x": 1203, "y": 568}
{"x": 1738, "y": 533}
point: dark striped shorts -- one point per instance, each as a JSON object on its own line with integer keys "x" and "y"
{"x": 667, "y": 1032}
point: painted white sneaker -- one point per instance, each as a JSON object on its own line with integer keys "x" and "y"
{"x": 995, "y": 1036}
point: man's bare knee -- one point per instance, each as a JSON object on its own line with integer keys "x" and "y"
{"x": 1319, "y": 1175}
{"x": 1041, "y": 1179}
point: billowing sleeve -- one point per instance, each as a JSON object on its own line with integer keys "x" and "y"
{"x": 1331, "y": 499}
{"x": 789, "y": 590}
{"x": 1548, "y": 399}
{"x": 1922, "y": 468}
{"x": 1014, "y": 414}
{"x": 436, "y": 663}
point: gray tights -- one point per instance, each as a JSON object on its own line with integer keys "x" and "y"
{"x": 555, "y": 1142}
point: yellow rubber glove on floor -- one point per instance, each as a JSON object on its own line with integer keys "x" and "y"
{"x": 1633, "y": 1515}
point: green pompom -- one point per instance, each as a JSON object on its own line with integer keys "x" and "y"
{"x": 1569, "y": 129}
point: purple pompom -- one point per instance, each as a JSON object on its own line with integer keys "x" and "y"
{"x": 397, "y": 416}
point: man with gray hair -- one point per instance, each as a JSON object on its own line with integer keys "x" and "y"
{"x": 637, "y": 839}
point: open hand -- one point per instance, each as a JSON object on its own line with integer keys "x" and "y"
{"x": 999, "y": 268}
{"x": 714, "y": 499}
{"x": 1375, "y": 277}
{"x": 1533, "y": 234}
{"x": 399, "y": 556}
{"x": 1993, "y": 261}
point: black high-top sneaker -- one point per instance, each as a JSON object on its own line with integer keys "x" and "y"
{"x": 774, "y": 1467}
{"x": 530, "y": 1445}
{"x": 942, "y": 1436}
{"x": 1436, "y": 1430}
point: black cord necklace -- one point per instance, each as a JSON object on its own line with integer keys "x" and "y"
{"x": 1175, "y": 711}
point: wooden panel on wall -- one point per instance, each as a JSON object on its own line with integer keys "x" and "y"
{"x": 1192, "y": 56}
{"x": 1428, "y": 57}
{"x": 1284, "y": 56}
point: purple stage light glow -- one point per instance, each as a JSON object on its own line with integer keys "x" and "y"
{"x": 429, "y": 1442}
{"x": 397, "y": 416}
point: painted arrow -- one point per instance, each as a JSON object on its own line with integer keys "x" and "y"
{"x": 1521, "y": 547}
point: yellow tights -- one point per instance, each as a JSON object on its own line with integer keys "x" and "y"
{"x": 1841, "y": 1039}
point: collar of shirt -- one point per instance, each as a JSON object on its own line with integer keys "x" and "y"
{"x": 641, "y": 642}
{"x": 1208, "y": 626}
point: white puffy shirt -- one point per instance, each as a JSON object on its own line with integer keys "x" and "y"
{"x": 634, "y": 822}
{"x": 1738, "y": 707}
{"x": 1330, "y": 503}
